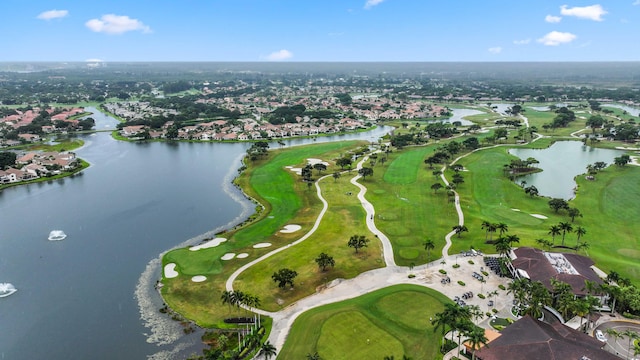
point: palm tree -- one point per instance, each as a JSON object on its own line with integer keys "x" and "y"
{"x": 579, "y": 231}
{"x": 553, "y": 231}
{"x": 227, "y": 298}
{"x": 485, "y": 225}
{"x": 503, "y": 228}
{"x": 267, "y": 350}
{"x": 631, "y": 335}
{"x": 459, "y": 229}
{"x": 476, "y": 338}
{"x": 519, "y": 288}
{"x": 503, "y": 246}
{"x": 313, "y": 356}
{"x": 613, "y": 333}
{"x": 429, "y": 245}
{"x": 539, "y": 296}
{"x": 565, "y": 227}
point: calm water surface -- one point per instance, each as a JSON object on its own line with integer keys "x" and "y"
{"x": 75, "y": 297}
{"x": 561, "y": 163}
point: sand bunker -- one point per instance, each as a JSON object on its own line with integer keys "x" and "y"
{"x": 290, "y": 229}
{"x": 228, "y": 256}
{"x": 539, "y": 216}
{"x": 242, "y": 255}
{"x": 261, "y": 245}
{"x": 170, "y": 271}
{"x": 209, "y": 244}
{"x": 515, "y": 209}
{"x": 199, "y": 278}
{"x": 316, "y": 161}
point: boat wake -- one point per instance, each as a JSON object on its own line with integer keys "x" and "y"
{"x": 7, "y": 289}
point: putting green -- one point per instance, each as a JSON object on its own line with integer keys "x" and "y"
{"x": 394, "y": 320}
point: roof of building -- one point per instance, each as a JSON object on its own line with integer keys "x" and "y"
{"x": 531, "y": 339}
{"x": 542, "y": 266}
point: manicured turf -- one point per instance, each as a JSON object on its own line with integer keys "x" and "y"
{"x": 393, "y": 321}
{"x": 287, "y": 200}
{"x": 407, "y": 209}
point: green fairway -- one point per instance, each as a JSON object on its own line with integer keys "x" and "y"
{"x": 287, "y": 200}
{"x": 408, "y": 211}
{"x": 393, "y": 321}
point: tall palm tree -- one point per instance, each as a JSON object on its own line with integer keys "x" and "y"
{"x": 503, "y": 228}
{"x": 631, "y": 335}
{"x": 485, "y": 226}
{"x": 503, "y": 247}
{"x": 267, "y": 350}
{"x": 539, "y": 296}
{"x": 565, "y": 227}
{"x": 227, "y": 298}
{"x": 579, "y": 231}
{"x": 553, "y": 231}
{"x": 429, "y": 245}
{"x": 476, "y": 338}
{"x": 459, "y": 229}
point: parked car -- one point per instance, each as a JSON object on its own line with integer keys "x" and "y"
{"x": 600, "y": 336}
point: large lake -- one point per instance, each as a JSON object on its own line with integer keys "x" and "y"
{"x": 77, "y": 298}
{"x": 561, "y": 163}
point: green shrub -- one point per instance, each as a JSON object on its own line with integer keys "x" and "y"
{"x": 481, "y": 296}
{"x": 461, "y": 283}
{"x": 471, "y": 262}
{"x": 501, "y": 287}
{"x": 411, "y": 276}
{"x": 442, "y": 271}
{"x": 485, "y": 273}
{"x": 510, "y": 320}
{"x": 495, "y": 311}
{"x": 487, "y": 313}
{"x": 455, "y": 266}
{"x": 498, "y": 327}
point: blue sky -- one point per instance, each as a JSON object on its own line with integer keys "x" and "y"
{"x": 320, "y": 30}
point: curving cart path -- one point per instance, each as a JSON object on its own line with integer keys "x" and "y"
{"x": 339, "y": 289}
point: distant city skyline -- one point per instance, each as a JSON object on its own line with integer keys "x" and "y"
{"x": 320, "y": 30}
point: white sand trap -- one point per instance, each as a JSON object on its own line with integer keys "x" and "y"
{"x": 170, "y": 271}
{"x": 539, "y": 216}
{"x": 295, "y": 170}
{"x": 316, "y": 161}
{"x": 261, "y": 245}
{"x": 290, "y": 229}
{"x": 242, "y": 255}
{"x": 199, "y": 278}
{"x": 228, "y": 256}
{"x": 209, "y": 244}
{"x": 515, "y": 209}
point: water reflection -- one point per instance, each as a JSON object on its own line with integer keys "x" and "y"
{"x": 561, "y": 163}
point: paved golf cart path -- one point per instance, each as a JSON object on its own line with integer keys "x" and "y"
{"x": 340, "y": 289}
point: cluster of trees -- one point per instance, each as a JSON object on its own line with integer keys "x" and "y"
{"x": 7, "y": 159}
{"x": 258, "y": 149}
{"x": 458, "y": 318}
{"x": 447, "y": 151}
{"x": 286, "y": 114}
{"x": 564, "y": 228}
{"x": 563, "y": 117}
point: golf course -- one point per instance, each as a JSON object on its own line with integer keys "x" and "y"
{"x": 301, "y": 220}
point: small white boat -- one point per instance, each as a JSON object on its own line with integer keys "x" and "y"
{"x": 57, "y": 235}
{"x": 7, "y": 289}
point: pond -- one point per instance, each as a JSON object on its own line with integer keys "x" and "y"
{"x": 459, "y": 115}
{"x": 561, "y": 163}
{"x": 629, "y": 109}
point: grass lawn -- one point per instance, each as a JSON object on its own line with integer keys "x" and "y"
{"x": 287, "y": 201}
{"x": 391, "y": 321}
{"x": 609, "y": 206}
{"x": 407, "y": 209}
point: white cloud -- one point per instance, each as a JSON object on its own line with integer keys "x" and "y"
{"x": 94, "y": 60}
{"x": 53, "y": 14}
{"x": 556, "y": 38}
{"x": 279, "y": 55}
{"x": 522, "y": 42}
{"x": 552, "y": 19}
{"x": 495, "y": 50}
{"x": 637, "y": 2}
{"x": 372, "y": 3}
{"x": 592, "y": 12}
{"x": 116, "y": 24}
